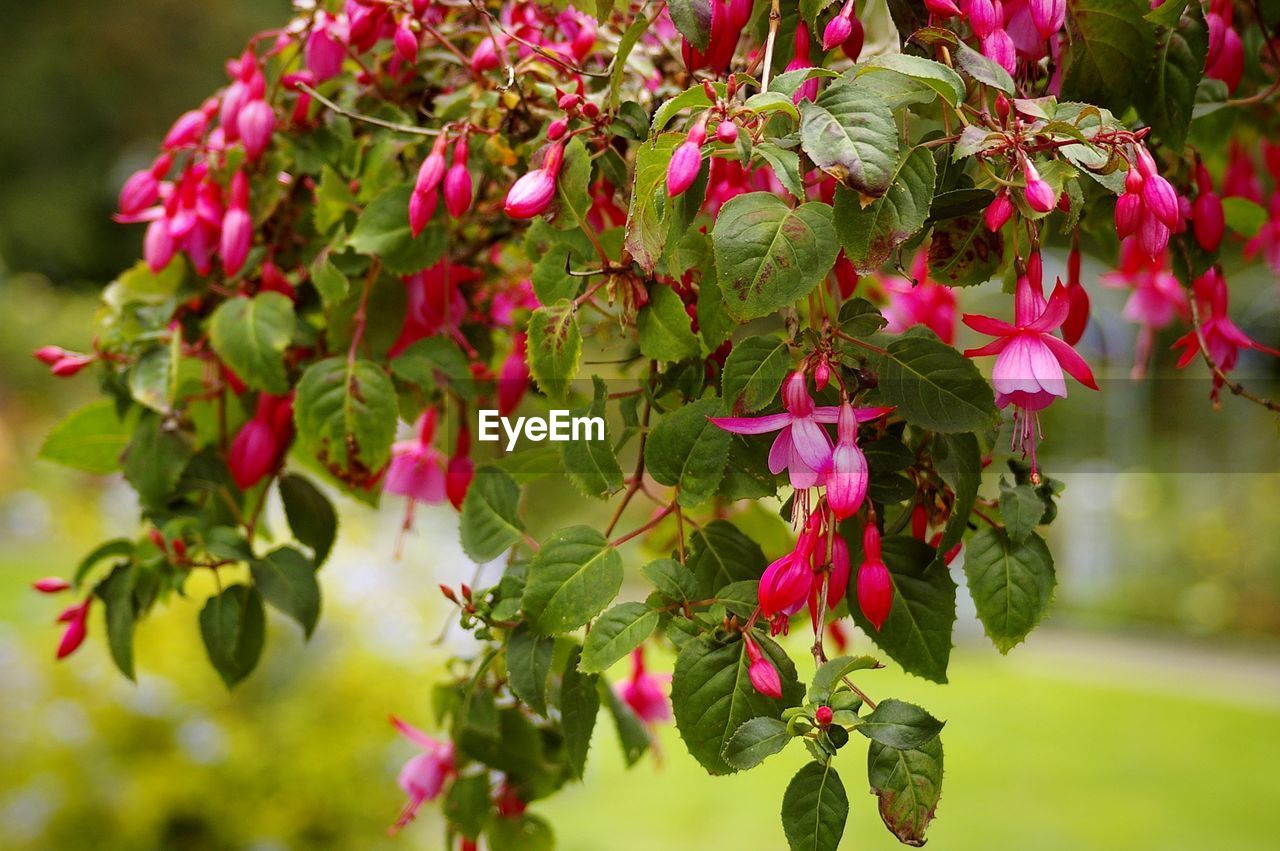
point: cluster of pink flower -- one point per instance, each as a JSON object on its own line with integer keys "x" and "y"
{"x": 1009, "y": 29}
{"x": 75, "y": 616}
{"x": 728, "y": 17}
{"x": 1242, "y": 180}
{"x": 456, "y": 178}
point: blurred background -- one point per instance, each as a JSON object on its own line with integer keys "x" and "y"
{"x": 1144, "y": 714}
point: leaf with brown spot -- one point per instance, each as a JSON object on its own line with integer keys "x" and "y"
{"x": 870, "y": 234}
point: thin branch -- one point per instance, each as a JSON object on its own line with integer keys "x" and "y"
{"x": 368, "y": 119}
{"x": 1235, "y": 387}
{"x": 775, "y": 17}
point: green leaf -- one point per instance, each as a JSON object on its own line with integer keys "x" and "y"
{"x": 753, "y": 373}
{"x": 899, "y": 724}
{"x": 346, "y": 413}
{"x": 850, "y": 134}
{"x": 1011, "y": 584}
{"x": 664, "y": 327}
{"x": 935, "y": 75}
{"x": 1021, "y": 508}
{"x": 647, "y": 219}
{"x": 91, "y": 439}
{"x": 250, "y": 335}
{"x": 528, "y": 666}
{"x": 1168, "y": 97}
{"x": 908, "y": 784}
{"x": 962, "y": 251}
{"x": 982, "y": 69}
{"x": 573, "y": 194}
{"x": 632, "y": 734}
{"x": 741, "y": 597}
{"x": 870, "y": 234}
{"x": 814, "y": 808}
{"x": 615, "y": 634}
{"x": 755, "y": 741}
{"x": 720, "y": 554}
{"x": 591, "y": 463}
{"x": 1167, "y": 13}
{"x": 155, "y": 459}
{"x": 467, "y": 805}
{"x": 287, "y": 580}
{"x": 829, "y": 675}
{"x": 571, "y": 579}
{"x": 958, "y": 460}
{"x": 310, "y": 515}
{"x": 1243, "y": 216}
{"x": 693, "y": 19}
{"x": 579, "y": 706}
{"x": 233, "y": 627}
{"x": 330, "y": 283}
{"x": 688, "y": 451}
{"x": 525, "y": 832}
{"x": 785, "y": 164}
{"x": 673, "y": 580}
{"x": 383, "y": 231}
{"x": 769, "y": 255}
{"x": 917, "y": 632}
{"x": 551, "y": 282}
{"x": 861, "y": 318}
{"x": 712, "y": 696}
{"x": 555, "y": 347}
{"x": 1112, "y": 47}
{"x": 490, "y": 523}
{"x": 151, "y": 381}
{"x": 116, "y": 593}
{"x": 933, "y": 385}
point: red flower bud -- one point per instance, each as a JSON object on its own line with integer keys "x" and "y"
{"x": 533, "y": 193}
{"x": 71, "y": 364}
{"x": 823, "y": 715}
{"x": 999, "y": 211}
{"x": 763, "y": 675}
{"x": 457, "y": 182}
{"x": 1209, "y": 221}
{"x": 875, "y": 588}
{"x": 51, "y": 585}
{"x": 1128, "y": 214}
{"x": 406, "y": 40}
{"x": 727, "y": 132}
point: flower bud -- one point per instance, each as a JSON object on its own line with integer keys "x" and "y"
{"x": 999, "y": 48}
{"x": 852, "y": 46}
{"x": 485, "y": 56}
{"x": 1153, "y": 236}
{"x": 999, "y": 211}
{"x": 784, "y": 585}
{"x": 982, "y": 17}
{"x": 406, "y": 40}
{"x": 727, "y": 132}
{"x": 1128, "y": 214}
{"x": 1160, "y": 198}
{"x": 1209, "y": 221}
{"x": 943, "y": 8}
{"x": 49, "y": 355}
{"x": 431, "y": 172}
{"x": 763, "y": 675}
{"x": 158, "y": 246}
{"x": 823, "y": 715}
{"x": 1039, "y": 195}
{"x": 237, "y": 227}
{"x": 875, "y": 587}
{"x": 556, "y": 129}
{"x": 1002, "y": 107}
{"x": 457, "y": 479}
{"x": 51, "y": 585}
{"x": 422, "y": 206}
{"x": 682, "y": 171}
{"x": 71, "y": 364}
{"x": 186, "y": 131}
{"x": 76, "y": 618}
{"x": 140, "y": 191}
{"x": 533, "y": 193}
{"x": 838, "y": 28}
{"x": 821, "y": 374}
{"x": 457, "y": 182}
{"x": 255, "y": 123}
{"x": 513, "y": 377}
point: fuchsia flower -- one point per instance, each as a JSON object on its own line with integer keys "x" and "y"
{"x": 460, "y": 470}
{"x": 686, "y": 159}
{"x": 417, "y": 468}
{"x": 846, "y": 483}
{"x": 763, "y": 675}
{"x": 1222, "y": 337}
{"x": 784, "y": 585}
{"x": 875, "y": 586}
{"x": 406, "y": 40}
{"x": 51, "y": 585}
{"x": 1157, "y": 297}
{"x": 924, "y": 302}
{"x": 259, "y": 446}
{"x": 77, "y": 620}
{"x": 324, "y": 52}
{"x": 839, "y": 28}
{"x": 800, "y": 61}
{"x": 644, "y": 692}
{"x": 424, "y": 776}
{"x": 237, "y": 227}
{"x": 1029, "y": 359}
{"x": 457, "y": 182}
{"x": 533, "y": 193}
{"x": 1040, "y": 196}
{"x": 837, "y": 579}
{"x": 801, "y": 447}
{"x": 255, "y": 123}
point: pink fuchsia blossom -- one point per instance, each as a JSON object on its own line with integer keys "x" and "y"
{"x": 762, "y": 673}
{"x": 77, "y": 620}
{"x": 324, "y": 52}
{"x": 846, "y": 483}
{"x": 417, "y": 467}
{"x": 1267, "y": 241}
{"x": 458, "y": 186}
{"x": 875, "y": 586}
{"x": 808, "y": 90}
{"x": 1155, "y": 301}
{"x": 51, "y": 585}
{"x": 237, "y": 227}
{"x": 1039, "y": 194}
{"x": 839, "y": 28}
{"x": 923, "y": 302}
{"x": 259, "y": 446}
{"x": 644, "y": 692}
{"x": 1222, "y": 337}
{"x": 686, "y": 159}
{"x": 424, "y": 776}
{"x": 785, "y": 583}
{"x": 255, "y": 123}
{"x": 533, "y": 193}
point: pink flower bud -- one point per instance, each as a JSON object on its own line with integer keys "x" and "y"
{"x": 49, "y": 355}
{"x": 763, "y": 675}
{"x": 236, "y": 239}
{"x": 485, "y": 56}
{"x": 1153, "y": 236}
{"x": 1047, "y": 15}
{"x": 324, "y": 54}
{"x": 999, "y": 211}
{"x": 875, "y": 587}
{"x": 158, "y": 246}
{"x": 682, "y": 171}
{"x": 422, "y": 206}
{"x": 406, "y": 40}
{"x": 784, "y": 585}
{"x": 982, "y": 17}
{"x": 76, "y": 618}
{"x": 942, "y": 8}
{"x": 727, "y": 132}
{"x": 1002, "y": 107}
{"x": 823, "y": 716}
{"x": 999, "y": 48}
{"x": 1039, "y": 195}
{"x": 431, "y": 172}
{"x": 260, "y": 444}
{"x": 847, "y": 481}
{"x": 533, "y": 193}
{"x": 457, "y": 182}
{"x": 186, "y": 131}
{"x": 838, "y": 29}
{"x": 821, "y": 374}
{"x": 556, "y": 129}
{"x": 1128, "y": 214}
{"x": 140, "y": 191}
{"x": 51, "y": 585}
{"x": 256, "y": 123}
{"x": 70, "y": 365}
{"x": 1161, "y": 200}
{"x": 1208, "y": 220}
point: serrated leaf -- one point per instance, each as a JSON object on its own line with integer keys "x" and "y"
{"x": 899, "y": 724}
{"x": 571, "y": 579}
{"x": 92, "y": 439}
{"x": 551, "y": 282}
{"x": 908, "y": 784}
{"x": 719, "y": 554}
{"x": 528, "y": 666}
{"x": 831, "y": 672}
{"x": 712, "y": 696}
{"x": 591, "y": 463}
{"x": 982, "y": 69}
{"x": 1021, "y": 508}
{"x": 958, "y": 460}
{"x": 310, "y": 515}
{"x": 555, "y": 347}
{"x": 850, "y": 134}
{"x": 330, "y": 283}
{"x": 935, "y": 75}
{"x": 346, "y": 413}
{"x": 1112, "y": 46}
{"x": 933, "y": 385}
{"x": 917, "y": 632}
{"x": 251, "y": 334}
{"x": 632, "y": 734}
{"x": 116, "y": 593}
{"x": 647, "y": 221}
{"x": 383, "y": 231}
{"x": 687, "y": 450}
{"x": 815, "y": 808}
{"x": 741, "y": 597}
{"x": 673, "y": 580}
{"x": 664, "y": 328}
{"x": 579, "y": 706}
{"x": 287, "y": 580}
{"x": 490, "y": 523}
{"x": 861, "y": 318}
{"x": 155, "y": 459}
{"x": 233, "y": 626}
{"x": 1011, "y": 584}
{"x": 769, "y": 255}
{"x": 615, "y": 634}
{"x": 753, "y": 373}
{"x": 870, "y": 234}
{"x": 1167, "y": 99}
{"x": 755, "y": 741}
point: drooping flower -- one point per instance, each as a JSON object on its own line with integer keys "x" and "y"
{"x": 417, "y": 467}
{"x": 808, "y": 90}
{"x": 686, "y": 159}
{"x": 875, "y": 587}
{"x": 460, "y": 470}
{"x": 533, "y": 193}
{"x": 457, "y": 182}
{"x": 237, "y": 226}
{"x": 1222, "y": 337}
{"x": 77, "y": 620}
{"x": 762, "y": 673}
{"x": 424, "y": 776}
{"x": 260, "y": 445}
{"x": 644, "y": 692}
{"x": 785, "y": 583}
{"x": 839, "y": 28}
{"x": 836, "y": 578}
{"x": 255, "y": 123}
{"x": 1157, "y": 297}
{"x": 846, "y": 483}
{"x": 922, "y": 302}
{"x": 1029, "y": 359}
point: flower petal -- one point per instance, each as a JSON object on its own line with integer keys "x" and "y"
{"x": 780, "y": 452}
{"x": 988, "y": 325}
{"x": 752, "y": 425}
{"x": 1071, "y": 361}
{"x": 811, "y": 443}
{"x": 1055, "y": 312}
